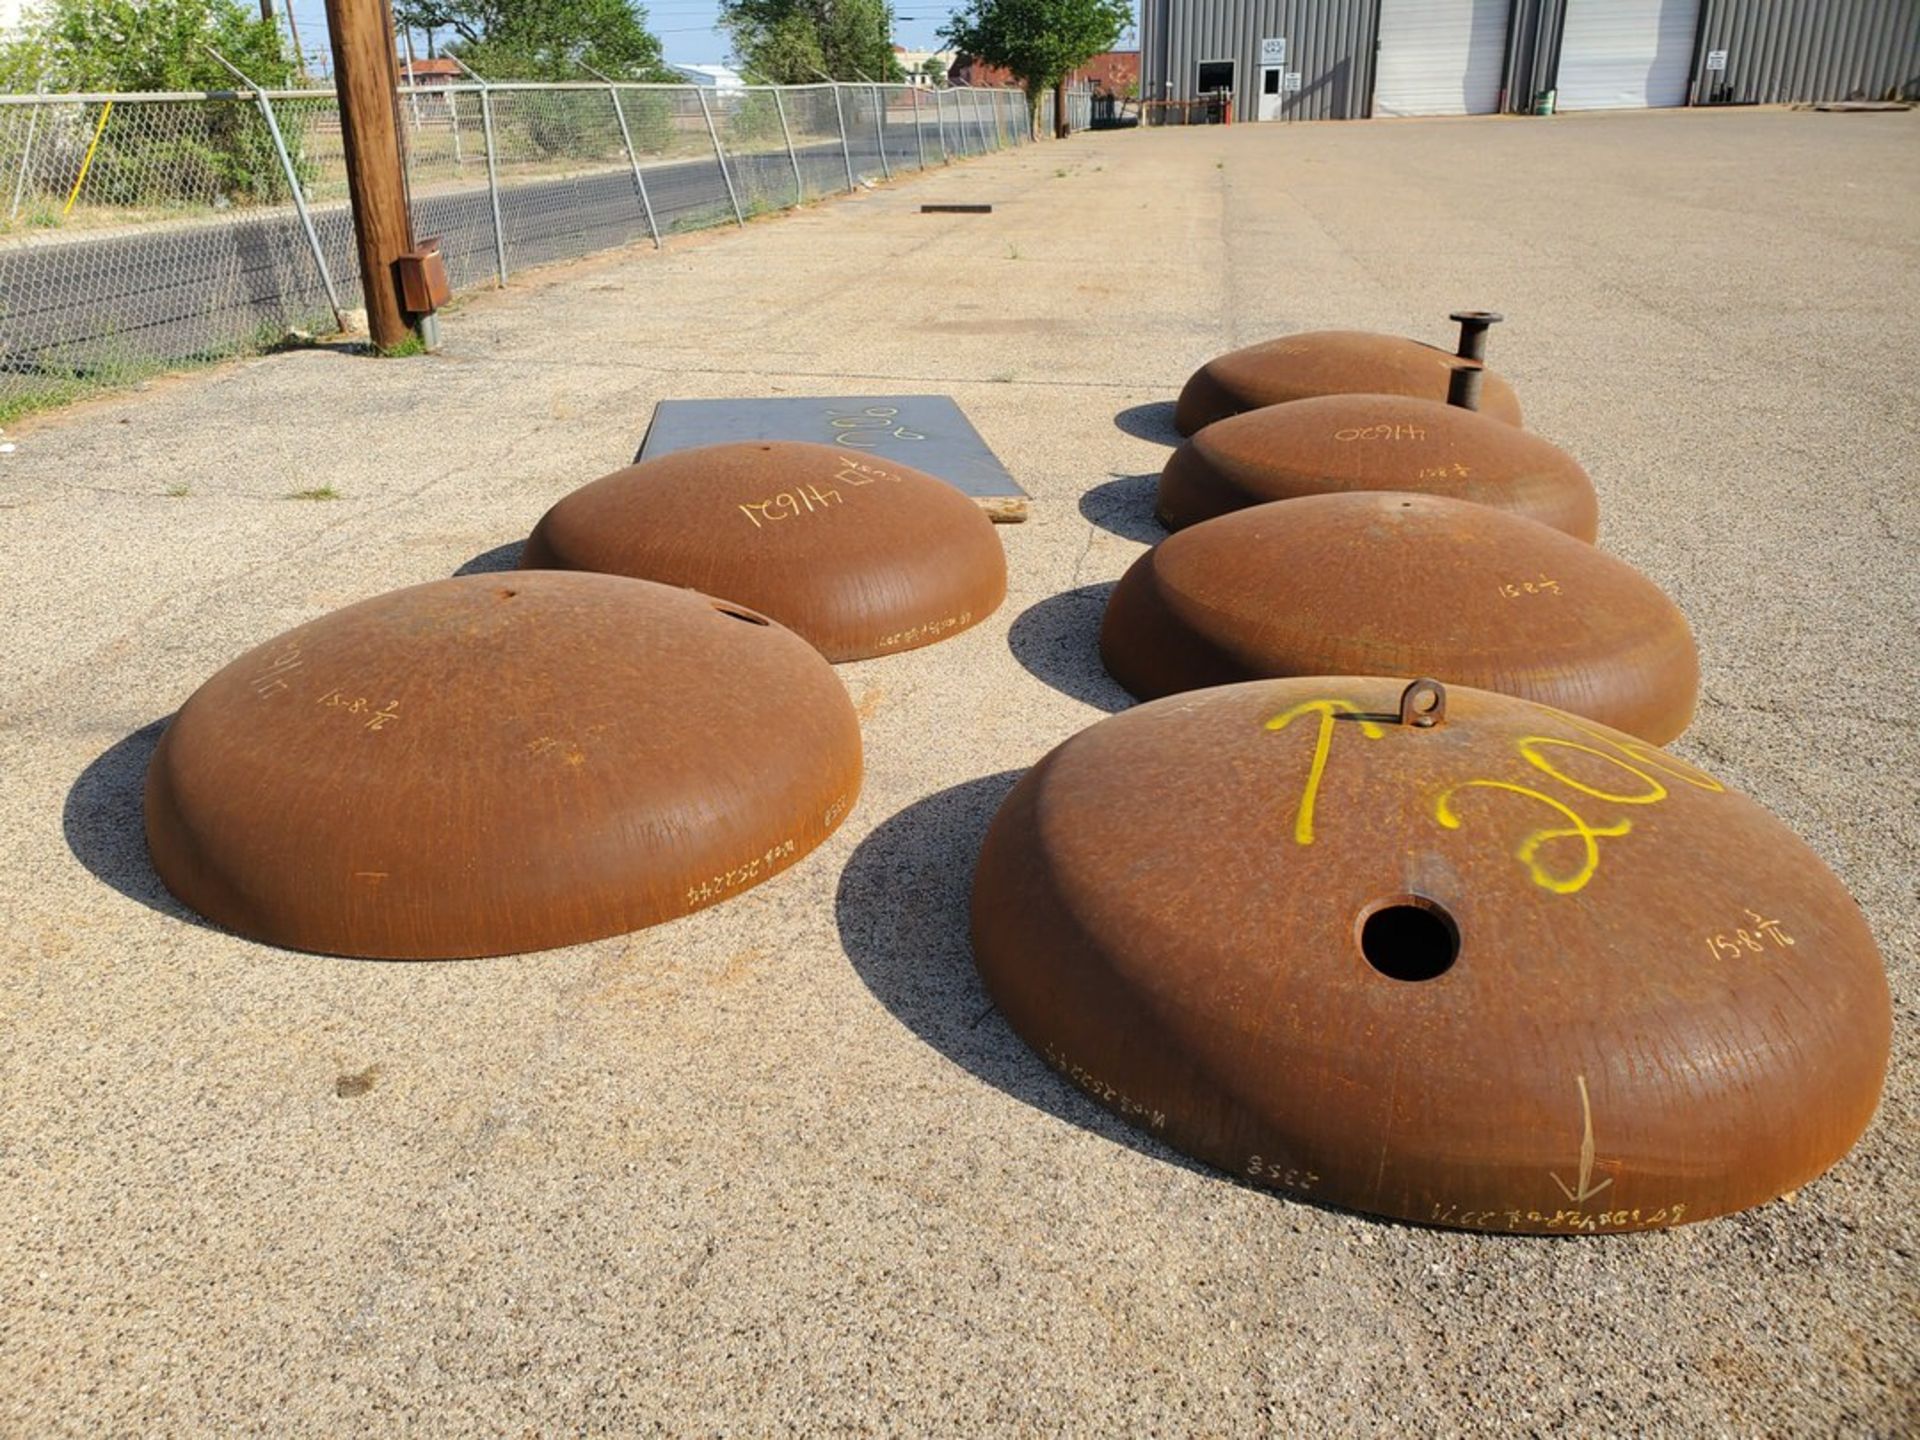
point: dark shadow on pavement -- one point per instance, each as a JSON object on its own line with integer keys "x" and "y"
{"x": 1058, "y": 640}
{"x": 1150, "y": 422}
{"x": 105, "y": 823}
{"x": 1123, "y": 506}
{"x": 488, "y": 562}
{"x": 902, "y": 912}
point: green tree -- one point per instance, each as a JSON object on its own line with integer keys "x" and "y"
{"x": 150, "y": 45}
{"x": 543, "y": 39}
{"x": 1040, "y": 41}
{"x": 934, "y": 68}
{"x": 795, "y": 42}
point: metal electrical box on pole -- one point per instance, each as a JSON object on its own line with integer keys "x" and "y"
{"x": 367, "y": 78}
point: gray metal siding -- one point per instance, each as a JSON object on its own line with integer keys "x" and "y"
{"x": 1797, "y": 50}
{"x": 1330, "y": 42}
{"x": 1778, "y": 50}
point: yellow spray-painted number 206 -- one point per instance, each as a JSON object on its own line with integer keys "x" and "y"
{"x": 1537, "y": 751}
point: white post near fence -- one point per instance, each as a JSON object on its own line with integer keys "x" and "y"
{"x": 26, "y": 151}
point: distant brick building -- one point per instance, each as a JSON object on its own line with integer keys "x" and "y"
{"x": 966, "y": 70}
{"x": 430, "y": 72}
{"x": 1115, "y": 73}
{"x": 1109, "y": 74}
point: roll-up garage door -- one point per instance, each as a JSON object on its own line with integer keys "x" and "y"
{"x": 1440, "y": 57}
{"x": 1625, "y": 54}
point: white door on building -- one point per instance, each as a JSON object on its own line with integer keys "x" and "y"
{"x": 1272, "y": 78}
{"x": 1626, "y": 54}
{"x": 1440, "y": 57}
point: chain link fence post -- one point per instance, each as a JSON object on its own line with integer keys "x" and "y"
{"x": 919, "y": 131}
{"x": 940, "y": 125}
{"x": 293, "y": 184}
{"x": 793, "y": 158}
{"x": 880, "y": 129}
{"x": 633, "y": 159}
{"x": 493, "y": 169}
{"x": 719, "y": 155}
{"x": 846, "y": 152}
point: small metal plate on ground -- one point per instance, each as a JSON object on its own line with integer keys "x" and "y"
{"x": 928, "y": 432}
{"x": 956, "y": 209}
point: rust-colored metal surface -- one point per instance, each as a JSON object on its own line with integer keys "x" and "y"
{"x": 859, "y": 555}
{"x": 1506, "y": 970}
{"x": 1386, "y": 583}
{"x": 1335, "y": 443}
{"x": 499, "y": 763}
{"x": 1329, "y": 362}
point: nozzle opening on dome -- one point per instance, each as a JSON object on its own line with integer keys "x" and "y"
{"x": 1474, "y": 325}
{"x": 1465, "y": 384}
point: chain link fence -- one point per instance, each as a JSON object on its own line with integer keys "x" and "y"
{"x": 145, "y": 232}
{"x": 1079, "y": 109}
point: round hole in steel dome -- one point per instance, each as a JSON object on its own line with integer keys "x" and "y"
{"x": 1408, "y": 937}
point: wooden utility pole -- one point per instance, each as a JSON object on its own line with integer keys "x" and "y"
{"x": 367, "y": 78}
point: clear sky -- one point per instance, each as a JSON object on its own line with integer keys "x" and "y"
{"x": 688, "y": 29}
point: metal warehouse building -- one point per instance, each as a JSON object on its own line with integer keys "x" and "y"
{"x": 1349, "y": 59}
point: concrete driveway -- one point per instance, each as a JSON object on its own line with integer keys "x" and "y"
{"x": 778, "y": 1166}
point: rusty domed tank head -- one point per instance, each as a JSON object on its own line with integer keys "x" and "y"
{"x": 1401, "y": 584}
{"x": 1345, "y": 362}
{"x": 499, "y": 763}
{"x": 1334, "y": 443}
{"x": 1450, "y": 957}
{"x": 858, "y": 555}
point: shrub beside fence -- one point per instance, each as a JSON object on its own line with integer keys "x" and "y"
{"x": 144, "y": 232}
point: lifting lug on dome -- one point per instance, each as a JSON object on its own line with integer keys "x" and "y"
{"x": 1423, "y": 704}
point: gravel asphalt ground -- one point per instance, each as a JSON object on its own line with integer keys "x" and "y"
{"x": 778, "y": 1166}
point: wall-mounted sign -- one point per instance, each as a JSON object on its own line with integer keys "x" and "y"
{"x": 1716, "y": 59}
{"x": 1293, "y": 79}
{"x": 1274, "y": 51}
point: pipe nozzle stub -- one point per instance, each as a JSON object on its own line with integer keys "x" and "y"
{"x": 1474, "y": 325}
{"x": 1465, "y": 384}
